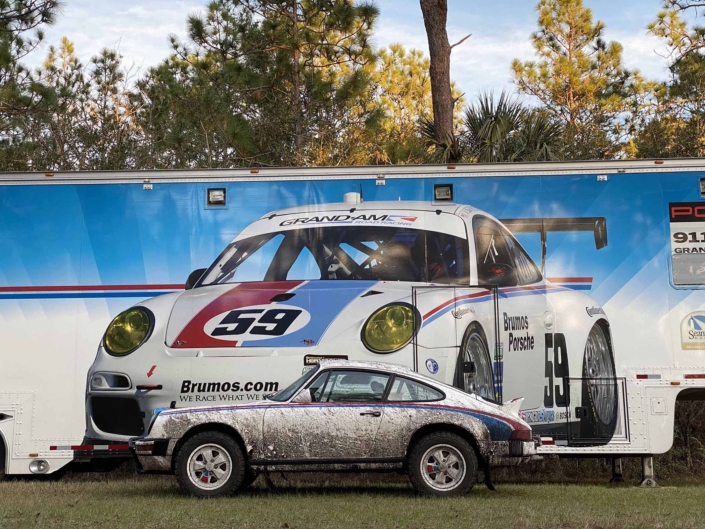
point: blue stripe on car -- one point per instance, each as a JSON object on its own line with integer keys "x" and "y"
{"x": 324, "y": 300}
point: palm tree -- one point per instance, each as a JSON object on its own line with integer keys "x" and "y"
{"x": 505, "y": 130}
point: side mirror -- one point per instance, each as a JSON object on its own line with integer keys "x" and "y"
{"x": 193, "y": 278}
{"x": 304, "y": 397}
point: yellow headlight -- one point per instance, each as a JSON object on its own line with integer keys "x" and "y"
{"x": 127, "y": 331}
{"x": 390, "y": 328}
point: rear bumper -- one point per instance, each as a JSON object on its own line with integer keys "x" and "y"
{"x": 509, "y": 453}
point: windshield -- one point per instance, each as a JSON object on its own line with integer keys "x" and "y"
{"x": 291, "y": 390}
{"x": 344, "y": 252}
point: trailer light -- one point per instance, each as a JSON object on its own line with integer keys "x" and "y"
{"x": 443, "y": 192}
{"x": 216, "y": 196}
{"x": 390, "y": 328}
{"x": 128, "y": 331}
{"x": 690, "y": 377}
{"x": 39, "y": 466}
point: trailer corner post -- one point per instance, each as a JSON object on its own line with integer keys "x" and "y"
{"x": 647, "y": 472}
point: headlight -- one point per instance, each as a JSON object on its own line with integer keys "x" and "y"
{"x": 390, "y": 328}
{"x": 128, "y": 331}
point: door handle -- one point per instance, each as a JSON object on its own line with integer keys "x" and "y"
{"x": 372, "y": 413}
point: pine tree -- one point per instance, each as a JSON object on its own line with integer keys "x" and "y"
{"x": 578, "y": 78}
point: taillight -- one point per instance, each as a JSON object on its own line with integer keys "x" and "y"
{"x": 521, "y": 435}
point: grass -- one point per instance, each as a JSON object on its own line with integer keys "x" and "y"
{"x": 126, "y": 501}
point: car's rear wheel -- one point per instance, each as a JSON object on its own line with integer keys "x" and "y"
{"x": 442, "y": 464}
{"x": 210, "y": 464}
{"x": 473, "y": 371}
{"x": 2, "y": 459}
{"x": 599, "y": 392}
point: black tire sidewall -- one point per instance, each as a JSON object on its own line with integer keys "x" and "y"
{"x": 2, "y": 459}
{"x": 473, "y": 328}
{"x": 239, "y": 464}
{"x": 591, "y": 423}
{"x": 442, "y": 438}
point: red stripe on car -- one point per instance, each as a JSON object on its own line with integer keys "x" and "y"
{"x": 243, "y": 295}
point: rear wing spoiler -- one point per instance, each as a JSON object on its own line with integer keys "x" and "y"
{"x": 597, "y": 225}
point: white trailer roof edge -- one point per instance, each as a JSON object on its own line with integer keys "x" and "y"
{"x": 356, "y": 172}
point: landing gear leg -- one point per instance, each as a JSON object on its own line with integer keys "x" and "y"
{"x": 647, "y": 472}
{"x": 616, "y": 470}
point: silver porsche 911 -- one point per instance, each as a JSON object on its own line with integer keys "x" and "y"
{"x": 340, "y": 415}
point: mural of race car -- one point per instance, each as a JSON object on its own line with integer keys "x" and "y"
{"x": 442, "y": 288}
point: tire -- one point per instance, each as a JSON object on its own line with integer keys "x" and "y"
{"x": 442, "y": 481}
{"x": 250, "y": 478}
{"x": 599, "y": 390}
{"x": 201, "y": 477}
{"x": 2, "y": 459}
{"x": 474, "y": 349}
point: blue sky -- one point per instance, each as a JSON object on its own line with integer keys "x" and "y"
{"x": 500, "y": 32}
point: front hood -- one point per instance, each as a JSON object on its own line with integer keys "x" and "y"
{"x": 270, "y": 314}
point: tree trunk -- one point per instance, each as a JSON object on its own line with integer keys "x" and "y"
{"x": 435, "y": 15}
{"x": 297, "y": 83}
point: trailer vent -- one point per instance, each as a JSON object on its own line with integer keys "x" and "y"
{"x": 117, "y": 416}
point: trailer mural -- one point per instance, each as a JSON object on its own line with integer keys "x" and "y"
{"x": 597, "y": 287}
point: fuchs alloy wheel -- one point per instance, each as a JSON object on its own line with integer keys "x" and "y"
{"x": 474, "y": 351}
{"x": 210, "y": 464}
{"x": 443, "y": 464}
{"x": 599, "y": 392}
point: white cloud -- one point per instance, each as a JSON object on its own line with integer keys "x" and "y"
{"x": 481, "y": 63}
{"x": 139, "y": 32}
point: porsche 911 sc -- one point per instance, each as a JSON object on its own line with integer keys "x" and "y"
{"x": 338, "y": 416}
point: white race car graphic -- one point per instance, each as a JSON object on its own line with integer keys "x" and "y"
{"x": 444, "y": 289}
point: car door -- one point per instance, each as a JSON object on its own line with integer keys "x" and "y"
{"x": 340, "y": 424}
{"x": 523, "y": 305}
{"x": 408, "y": 407}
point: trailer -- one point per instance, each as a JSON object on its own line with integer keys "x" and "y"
{"x": 576, "y": 286}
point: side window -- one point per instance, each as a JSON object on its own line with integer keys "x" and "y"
{"x": 526, "y": 270}
{"x": 495, "y": 263}
{"x": 316, "y": 389}
{"x": 354, "y": 386}
{"x": 406, "y": 390}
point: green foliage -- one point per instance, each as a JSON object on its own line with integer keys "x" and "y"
{"x": 504, "y": 130}
{"x": 675, "y": 127}
{"x": 265, "y": 82}
{"x": 578, "y": 78}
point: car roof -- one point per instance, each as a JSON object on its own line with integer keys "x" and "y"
{"x": 375, "y": 366}
{"x": 389, "y": 205}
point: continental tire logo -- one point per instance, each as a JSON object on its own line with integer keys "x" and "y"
{"x": 693, "y": 332}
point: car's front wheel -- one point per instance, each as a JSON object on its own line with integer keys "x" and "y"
{"x": 442, "y": 464}
{"x": 210, "y": 464}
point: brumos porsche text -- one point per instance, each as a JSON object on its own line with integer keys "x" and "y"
{"x": 518, "y": 341}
